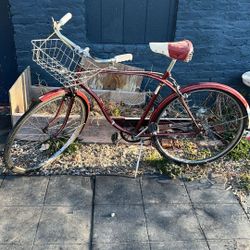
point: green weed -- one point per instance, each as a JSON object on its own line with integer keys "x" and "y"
{"x": 58, "y": 143}
{"x": 241, "y": 151}
{"x": 164, "y": 166}
{"x": 244, "y": 182}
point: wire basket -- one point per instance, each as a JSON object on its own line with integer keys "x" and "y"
{"x": 71, "y": 69}
{"x": 63, "y": 62}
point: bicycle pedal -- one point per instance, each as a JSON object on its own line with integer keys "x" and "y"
{"x": 115, "y": 137}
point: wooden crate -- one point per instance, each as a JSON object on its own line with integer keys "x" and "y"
{"x": 97, "y": 129}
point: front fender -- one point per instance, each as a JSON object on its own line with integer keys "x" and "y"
{"x": 52, "y": 94}
{"x": 203, "y": 85}
{"x": 61, "y": 92}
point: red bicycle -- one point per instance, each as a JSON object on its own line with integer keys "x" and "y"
{"x": 195, "y": 124}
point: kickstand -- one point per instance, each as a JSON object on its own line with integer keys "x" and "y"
{"x": 139, "y": 158}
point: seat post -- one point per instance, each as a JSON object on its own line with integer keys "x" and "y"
{"x": 171, "y": 65}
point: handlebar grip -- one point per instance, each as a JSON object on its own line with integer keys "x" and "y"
{"x": 123, "y": 58}
{"x": 65, "y": 19}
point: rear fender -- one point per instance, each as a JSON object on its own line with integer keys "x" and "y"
{"x": 198, "y": 86}
{"x": 60, "y": 92}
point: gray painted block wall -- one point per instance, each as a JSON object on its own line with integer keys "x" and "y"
{"x": 220, "y": 33}
{"x": 219, "y": 30}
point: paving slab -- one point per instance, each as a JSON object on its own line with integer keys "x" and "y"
{"x": 71, "y": 191}
{"x": 15, "y": 247}
{"x": 64, "y": 225}
{"x": 129, "y": 246}
{"x": 159, "y": 190}
{"x": 117, "y": 190}
{"x": 223, "y": 221}
{"x": 62, "y": 247}
{"x": 23, "y": 191}
{"x": 229, "y": 244}
{"x": 206, "y": 192}
{"x": 127, "y": 226}
{"x": 18, "y": 225}
{"x": 172, "y": 222}
{"x": 176, "y": 245}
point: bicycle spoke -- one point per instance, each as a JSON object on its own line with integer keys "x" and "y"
{"x": 37, "y": 138}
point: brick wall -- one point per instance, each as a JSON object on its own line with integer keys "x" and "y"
{"x": 219, "y": 30}
{"x": 220, "y": 33}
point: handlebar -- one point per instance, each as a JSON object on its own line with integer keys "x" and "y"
{"x": 116, "y": 59}
{"x": 64, "y": 19}
{"x": 57, "y": 27}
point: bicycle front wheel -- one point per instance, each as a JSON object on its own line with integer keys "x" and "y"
{"x": 219, "y": 114}
{"x": 43, "y": 133}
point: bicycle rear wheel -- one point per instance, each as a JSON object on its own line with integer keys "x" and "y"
{"x": 220, "y": 115}
{"x": 42, "y": 134}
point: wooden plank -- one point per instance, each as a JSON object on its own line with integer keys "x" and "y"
{"x": 97, "y": 130}
{"x": 134, "y": 21}
{"x": 112, "y": 21}
{"x": 19, "y": 94}
{"x": 129, "y": 21}
{"x": 157, "y": 20}
{"x": 117, "y": 96}
{"x": 172, "y": 19}
{"x": 26, "y": 80}
{"x": 94, "y": 20}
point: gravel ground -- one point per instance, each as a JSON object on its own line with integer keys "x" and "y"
{"x": 103, "y": 159}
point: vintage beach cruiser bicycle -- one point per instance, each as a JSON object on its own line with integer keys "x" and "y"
{"x": 194, "y": 125}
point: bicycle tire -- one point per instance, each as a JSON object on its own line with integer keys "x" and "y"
{"x": 216, "y": 140}
{"x": 20, "y": 155}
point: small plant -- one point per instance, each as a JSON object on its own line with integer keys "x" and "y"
{"x": 116, "y": 111}
{"x": 56, "y": 144}
{"x": 204, "y": 153}
{"x": 155, "y": 159}
{"x": 153, "y": 156}
{"x": 172, "y": 171}
{"x": 163, "y": 165}
{"x": 241, "y": 151}
{"x": 244, "y": 182}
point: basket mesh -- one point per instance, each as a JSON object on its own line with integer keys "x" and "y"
{"x": 62, "y": 62}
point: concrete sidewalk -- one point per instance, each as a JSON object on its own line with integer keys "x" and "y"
{"x": 73, "y": 212}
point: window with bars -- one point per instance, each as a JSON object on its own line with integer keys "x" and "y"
{"x": 130, "y": 21}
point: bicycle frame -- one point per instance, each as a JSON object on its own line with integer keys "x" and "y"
{"x": 138, "y": 126}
